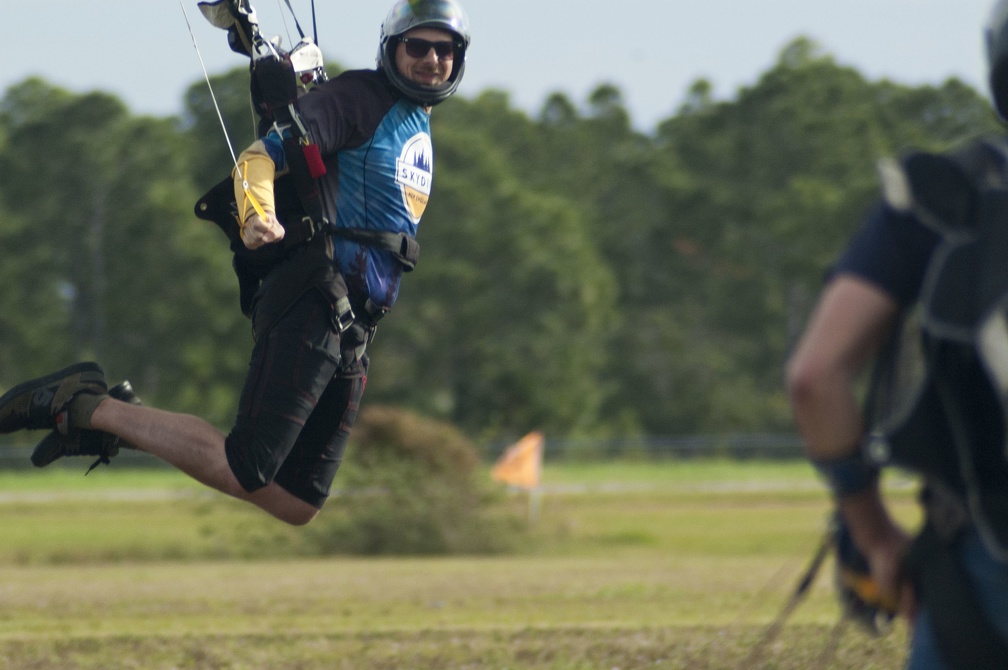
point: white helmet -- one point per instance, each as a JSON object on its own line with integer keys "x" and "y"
{"x": 406, "y": 15}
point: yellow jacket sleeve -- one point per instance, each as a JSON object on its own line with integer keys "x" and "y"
{"x": 253, "y": 182}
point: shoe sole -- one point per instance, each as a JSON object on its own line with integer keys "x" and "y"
{"x": 31, "y": 384}
{"x": 50, "y": 448}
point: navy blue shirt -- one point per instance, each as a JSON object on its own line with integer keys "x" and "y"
{"x": 891, "y": 250}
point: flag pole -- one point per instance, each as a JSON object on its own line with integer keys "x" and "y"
{"x": 535, "y": 502}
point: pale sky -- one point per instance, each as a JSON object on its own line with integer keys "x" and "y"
{"x": 652, "y": 50}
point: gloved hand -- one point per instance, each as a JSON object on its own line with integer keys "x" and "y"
{"x": 860, "y": 596}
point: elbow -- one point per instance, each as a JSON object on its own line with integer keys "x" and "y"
{"x": 807, "y": 384}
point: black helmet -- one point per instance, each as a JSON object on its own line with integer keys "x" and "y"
{"x": 408, "y": 14}
{"x": 997, "y": 56}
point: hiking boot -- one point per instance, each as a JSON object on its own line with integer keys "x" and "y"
{"x": 44, "y": 402}
{"x": 85, "y": 442}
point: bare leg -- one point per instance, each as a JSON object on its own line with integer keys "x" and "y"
{"x": 196, "y": 448}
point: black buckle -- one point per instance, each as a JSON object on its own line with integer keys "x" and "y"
{"x": 343, "y": 315}
{"x": 308, "y": 225}
{"x": 374, "y": 312}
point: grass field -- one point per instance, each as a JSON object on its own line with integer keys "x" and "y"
{"x": 646, "y": 565}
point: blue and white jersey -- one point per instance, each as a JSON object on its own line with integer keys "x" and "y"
{"x": 384, "y": 185}
{"x": 379, "y": 160}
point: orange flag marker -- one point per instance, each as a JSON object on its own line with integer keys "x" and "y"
{"x": 521, "y": 464}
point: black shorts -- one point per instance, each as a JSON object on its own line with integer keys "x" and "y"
{"x": 297, "y": 405}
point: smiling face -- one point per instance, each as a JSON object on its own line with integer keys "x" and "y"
{"x": 417, "y": 56}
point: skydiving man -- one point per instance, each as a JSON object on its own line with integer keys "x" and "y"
{"x": 315, "y": 292}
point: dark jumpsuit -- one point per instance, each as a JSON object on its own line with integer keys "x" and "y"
{"x": 303, "y": 389}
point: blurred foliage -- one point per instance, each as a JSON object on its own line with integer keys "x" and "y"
{"x": 412, "y": 487}
{"x": 578, "y": 276}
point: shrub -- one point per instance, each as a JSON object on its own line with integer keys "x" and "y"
{"x": 411, "y": 485}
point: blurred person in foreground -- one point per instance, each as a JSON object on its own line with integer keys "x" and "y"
{"x": 314, "y": 290}
{"x": 921, "y": 292}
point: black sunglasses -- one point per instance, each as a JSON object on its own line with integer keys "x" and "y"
{"x": 419, "y": 48}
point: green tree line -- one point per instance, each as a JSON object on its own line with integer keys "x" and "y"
{"x": 577, "y": 276}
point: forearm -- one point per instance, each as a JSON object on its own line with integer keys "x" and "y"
{"x": 846, "y": 330}
{"x": 850, "y": 322}
{"x": 832, "y": 427}
{"x": 867, "y": 516}
{"x": 253, "y": 183}
{"x": 827, "y": 416}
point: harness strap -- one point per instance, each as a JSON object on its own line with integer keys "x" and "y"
{"x": 405, "y": 248}
{"x": 307, "y": 187}
{"x": 965, "y": 638}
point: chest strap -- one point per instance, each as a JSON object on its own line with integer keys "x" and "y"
{"x": 405, "y": 249}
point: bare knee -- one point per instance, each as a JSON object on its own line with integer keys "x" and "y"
{"x": 299, "y": 517}
{"x": 283, "y": 505}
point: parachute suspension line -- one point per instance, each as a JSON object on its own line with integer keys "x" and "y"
{"x": 283, "y": 17}
{"x": 206, "y": 76}
{"x": 227, "y": 138}
{"x": 314, "y": 25}
{"x": 735, "y": 627}
{"x": 801, "y": 590}
{"x": 294, "y": 16}
{"x": 832, "y": 645}
{"x": 253, "y": 117}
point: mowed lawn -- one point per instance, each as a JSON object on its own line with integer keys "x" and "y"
{"x": 630, "y": 565}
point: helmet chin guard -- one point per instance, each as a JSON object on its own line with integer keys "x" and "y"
{"x": 406, "y": 15}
